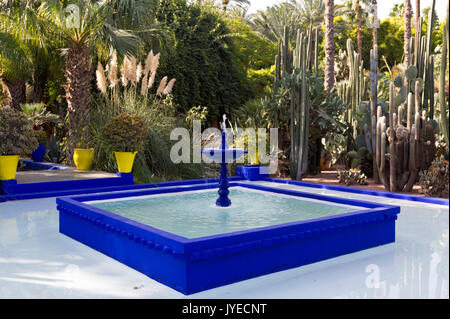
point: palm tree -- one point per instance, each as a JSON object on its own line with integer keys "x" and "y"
{"x": 87, "y": 28}
{"x": 374, "y": 23}
{"x": 407, "y": 37}
{"x": 270, "y": 23}
{"x": 226, "y": 2}
{"x": 310, "y": 12}
{"x": 18, "y": 50}
{"x": 358, "y": 27}
{"x": 329, "y": 45}
{"x": 398, "y": 10}
{"x": 239, "y": 12}
{"x": 15, "y": 64}
{"x": 360, "y": 16}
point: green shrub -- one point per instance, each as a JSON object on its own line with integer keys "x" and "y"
{"x": 434, "y": 181}
{"x": 125, "y": 133}
{"x": 38, "y": 115}
{"x": 154, "y": 163}
{"x": 16, "y": 133}
{"x": 40, "y": 136}
{"x": 201, "y": 60}
{"x": 261, "y": 80}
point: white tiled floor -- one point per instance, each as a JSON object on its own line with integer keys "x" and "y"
{"x": 36, "y": 261}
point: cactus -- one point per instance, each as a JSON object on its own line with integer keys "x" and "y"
{"x": 353, "y": 90}
{"x": 442, "y": 104}
{"x": 301, "y": 61}
{"x": 373, "y": 104}
{"x": 351, "y": 177}
{"x": 411, "y": 148}
{"x": 357, "y": 156}
{"x": 424, "y": 63}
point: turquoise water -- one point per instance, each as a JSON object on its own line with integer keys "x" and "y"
{"x": 195, "y": 214}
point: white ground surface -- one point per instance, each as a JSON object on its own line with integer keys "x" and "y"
{"x": 36, "y": 261}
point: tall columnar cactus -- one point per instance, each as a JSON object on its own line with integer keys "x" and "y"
{"x": 411, "y": 147}
{"x": 424, "y": 62}
{"x": 302, "y": 60}
{"x": 373, "y": 103}
{"x": 443, "y": 105}
{"x": 294, "y": 65}
{"x": 353, "y": 90}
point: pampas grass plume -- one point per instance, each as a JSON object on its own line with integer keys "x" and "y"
{"x": 148, "y": 62}
{"x": 155, "y": 63}
{"x": 151, "y": 81}
{"x": 169, "y": 87}
{"x": 161, "y": 86}
{"x": 101, "y": 79}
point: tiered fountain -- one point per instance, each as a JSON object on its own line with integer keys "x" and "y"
{"x": 224, "y": 155}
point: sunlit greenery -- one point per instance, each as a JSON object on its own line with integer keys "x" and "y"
{"x": 203, "y": 59}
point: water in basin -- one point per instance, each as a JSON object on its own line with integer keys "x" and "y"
{"x": 195, "y": 214}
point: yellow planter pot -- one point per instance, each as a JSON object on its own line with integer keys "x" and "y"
{"x": 83, "y": 158}
{"x": 254, "y": 160}
{"x": 8, "y": 166}
{"x": 125, "y": 161}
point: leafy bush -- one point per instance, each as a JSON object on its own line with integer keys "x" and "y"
{"x": 261, "y": 80}
{"x": 40, "y": 136}
{"x": 202, "y": 60}
{"x": 252, "y": 50}
{"x": 196, "y": 113}
{"x": 434, "y": 181}
{"x": 153, "y": 164}
{"x": 16, "y": 133}
{"x": 125, "y": 133}
{"x": 37, "y": 114}
{"x": 251, "y": 114}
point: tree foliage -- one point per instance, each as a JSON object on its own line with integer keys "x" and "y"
{"x": 201, "y": 59}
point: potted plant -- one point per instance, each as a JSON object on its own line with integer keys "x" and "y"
{"x": 39, "y": 153}
{"x": 124, "y": 135}
{"x": 17, "y": 138}
{"x": 83, "y": 154}
{"x": 38, "y": 115}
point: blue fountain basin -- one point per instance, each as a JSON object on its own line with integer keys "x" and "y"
{"x": 191, "y": 245}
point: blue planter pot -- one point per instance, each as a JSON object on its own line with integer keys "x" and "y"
{"x": 39, "y": 153}
{"x": 252, "y": 172}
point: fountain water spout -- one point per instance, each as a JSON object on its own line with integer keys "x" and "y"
{"x": 222, "y": 155}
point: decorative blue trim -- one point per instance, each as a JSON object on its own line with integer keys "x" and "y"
{"x": 126, "y": 186}
{"x": 28, "y": 163}
{"x": 192, "y": 265}
{"x": 11, "y": 190}
{"x": 415, "y": 198}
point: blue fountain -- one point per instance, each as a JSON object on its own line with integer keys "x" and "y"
{"x": 223, "y": 156}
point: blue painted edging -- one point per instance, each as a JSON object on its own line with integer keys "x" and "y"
{"x": 197, "y": 264}
{"x": 415, "y": 198}
{"x": 104, "y": 188}
{"x": 42, "y": 165}
{"x": 11, "y": 190}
